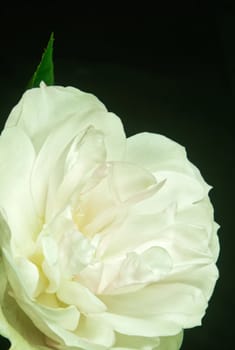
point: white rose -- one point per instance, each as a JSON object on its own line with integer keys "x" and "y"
{"x": 107, "y": 242}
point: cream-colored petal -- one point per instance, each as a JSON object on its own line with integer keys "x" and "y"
{"x": 171, "y": 343}
{"x": 124, "y": 342}
{"x": 179, "y": 189}
{"x": 96, "y": 333}
{"x": 3, "y": 284}
{"x": 50, "y": 264}
{"x": 186, "y": 244}
{"x": 91, "y": 276}
{"x": 53, "y": 275}
{"x": 66, "y": 318}
{"x": 50, "y": 152}
{"x": 72, "y": 341}
{"x": 52, "y": 116}
{"x": 152, "y": 326}
{"x": 41, "y": 315}
{"x": 133, "y": 231}
{"x": 84, "y": 155}
{"x": 128, "y": 180}
{"x": 87, "y": 150}
{"x": 202, "y": 275}
{"x": 16, "y": 162}
{"x": 139, "y": 227}
{"x": 181, "y": 304}
{"x": 41, "y": 109}
{"x": 156, "y": 153}
{"x": 73, "y": 293}
{"x": 14, "y": 324}
{"x": 50, "y": 250}
{"x": 28, "y": 273}
{"x": 135, "y": 271}
{"x": 120, "y": 185}
{"x": 75, "y": 252}
{"x": 96, "y": 206}
{"x": 214, "y": 242}
{"x": 198, "y": 214}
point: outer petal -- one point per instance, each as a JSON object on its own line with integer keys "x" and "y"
{"x": 170, "y": 307}
{"x": 156, "y": 152}
{"x": 124, "y": 342}
{"x": 14, "y": 324}
{"x": 17, "y": 327}
{"x": 42, "y": 109}
{"x": 181, "y": 190}
{"x": 171, "y": 343}
{"x": 135, "y": 342}
{"x": 16, "y": 162}
{"x": 101, "y": 334}
{"x": 153, "y": 326}
{"x": 52, "y": 117}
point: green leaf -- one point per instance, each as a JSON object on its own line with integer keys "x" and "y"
{"x": 45, "y": 69}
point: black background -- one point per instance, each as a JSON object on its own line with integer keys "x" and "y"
{"x": 170, "y": 72}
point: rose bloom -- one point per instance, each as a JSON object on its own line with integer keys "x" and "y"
{"x": 107, "y": 242}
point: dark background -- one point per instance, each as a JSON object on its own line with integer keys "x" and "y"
{"x": 170, "y": 72}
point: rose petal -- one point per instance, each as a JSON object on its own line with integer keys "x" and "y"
{"x": 180, "y": 304}
{"x": 16, "y": 326}
{"x": 40, "y": 110}
{"x": 156, "y": 152}
{"x": 135, "y": 342}
{"x": 84, "y": 155}
{"x": 15, "y": 167}
{"x": 73, "y": 293}
{"x": 101, "y": 334}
